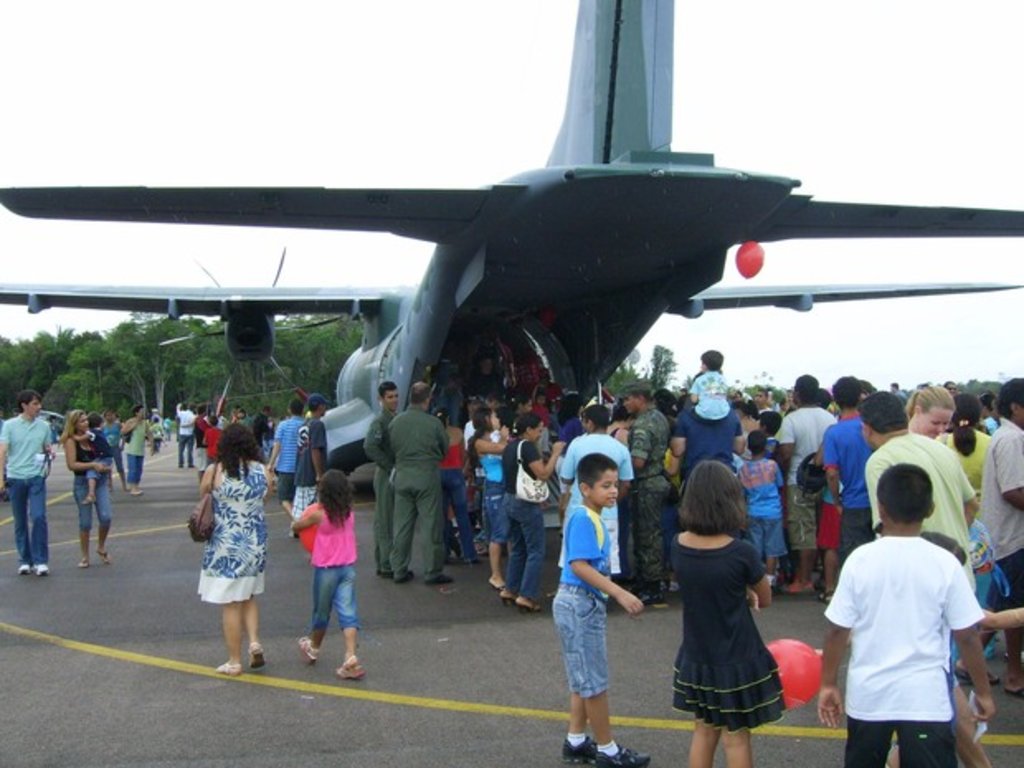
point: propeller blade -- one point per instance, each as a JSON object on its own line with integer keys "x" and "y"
{"x": 191, "y": 336}
{"x": 208, "y": 273}
{"x": 280, "y": 266}
{"x": 167, "y": 342}
{"x": 317, "y": 324}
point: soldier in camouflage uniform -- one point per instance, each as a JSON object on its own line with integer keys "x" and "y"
{"x": 648, "y": 443}
{"x": 378, "y": 450}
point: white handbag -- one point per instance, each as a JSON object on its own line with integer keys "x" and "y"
{"x": 527, "y": 488}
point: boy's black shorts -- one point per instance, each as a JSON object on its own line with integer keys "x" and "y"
{"x": 1013, "y": 569}
{"x": 924, "y": 744}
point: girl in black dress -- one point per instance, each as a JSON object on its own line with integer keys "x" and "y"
{"x": 723, "y": 672}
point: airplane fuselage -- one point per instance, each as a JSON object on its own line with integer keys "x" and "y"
{"x": 599, "y": 252}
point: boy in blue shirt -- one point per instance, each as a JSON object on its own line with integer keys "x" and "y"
{"x": 710, "y": 391}
{"x": 580, "y": 613}
{"x": 761, "y": 479}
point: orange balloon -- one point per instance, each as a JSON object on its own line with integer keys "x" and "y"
{"x": 799, "y": 671}
{"x": 308, "y": 535}
{"x": 750, "y": 259}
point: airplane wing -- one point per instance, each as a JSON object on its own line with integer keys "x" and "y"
{"x": 177, "y": 302}
{"x": 803, "y": 297}
{"x": 801, "y": 217}
{"x": 423, "y": 214}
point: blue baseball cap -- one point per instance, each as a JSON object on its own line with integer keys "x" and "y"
{"x": 316, "y": 400}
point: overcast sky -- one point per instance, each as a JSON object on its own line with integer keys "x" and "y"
{"x": 911, "y": 102}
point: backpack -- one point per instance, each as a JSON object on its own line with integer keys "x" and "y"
{"x": 810, "y": 477}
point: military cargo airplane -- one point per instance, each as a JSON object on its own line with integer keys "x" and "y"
{"x": 623, "y": 229}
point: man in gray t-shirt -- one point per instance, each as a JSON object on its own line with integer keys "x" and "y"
{"x": 311, "y": 458}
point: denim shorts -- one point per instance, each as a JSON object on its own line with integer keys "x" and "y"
{"x": 335, "y": 587}
{"x": 581, "y": 618}
{"x": 496, "y": 503}
{"x": 765, "y": 533}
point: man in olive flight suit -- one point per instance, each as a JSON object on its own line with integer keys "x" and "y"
{"x": 419, "y": 442}
{"x": 648, "y": 443}
{"x": 378, "y": 450}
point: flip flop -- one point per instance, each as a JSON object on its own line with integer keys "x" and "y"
{"x": 104, "y": 556}
{"x": 256, "y": 659}
{"x": 83, "y": 563}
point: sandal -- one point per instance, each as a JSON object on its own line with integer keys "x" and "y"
{"x": 350, "y": 670}
{"x": 83, "y": 563}
{"x": 526, "y": 605}
{"x": 231, "y": 669}
{"x": 256, "y": 659}
{"x": 104, "y": 556}
{"x": 496, "y": 585}
{"x": 309, "y": 653}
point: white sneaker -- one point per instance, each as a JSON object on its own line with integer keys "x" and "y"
{"x": 24, "y": 570}
{"x": 42, "y": 570}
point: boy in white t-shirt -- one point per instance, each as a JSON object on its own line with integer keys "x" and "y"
{"x": 900, "y": 597}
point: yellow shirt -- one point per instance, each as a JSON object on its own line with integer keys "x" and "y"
{"x": 974, "y": 463}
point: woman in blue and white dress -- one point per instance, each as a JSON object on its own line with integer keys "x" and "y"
{"x": 236, "y": 554}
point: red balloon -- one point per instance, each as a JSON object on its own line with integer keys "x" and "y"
{"x": 308, "y": 535}
{"x": 750, "y": 259}
{"x": 799, "y": 671}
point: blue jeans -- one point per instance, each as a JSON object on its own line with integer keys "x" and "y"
{"x": 526, "y": 536}
{"x": 453, "y": 492}
{"x": 335, "y": 587}
{"x": 669, "y": 530}
{"x": 134, "y": 469}
{"x": 185, "y": 443}
{"x": 104, "y": 509}
{"x": 118, "y": 457}
{"x": 28, "y": 508}
{"x": 625, "y": 522}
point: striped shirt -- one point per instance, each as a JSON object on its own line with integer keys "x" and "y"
{"x": 287, "y": 435}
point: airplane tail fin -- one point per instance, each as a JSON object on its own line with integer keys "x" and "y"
{"x": 620, "y": 87}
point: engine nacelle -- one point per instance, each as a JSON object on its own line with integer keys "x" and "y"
{"x": 250, "y": 335}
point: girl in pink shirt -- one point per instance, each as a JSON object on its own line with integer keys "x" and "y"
{"x": 334, "y": 570}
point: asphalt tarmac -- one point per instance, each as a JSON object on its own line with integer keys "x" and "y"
{"x": 113, "y": 665}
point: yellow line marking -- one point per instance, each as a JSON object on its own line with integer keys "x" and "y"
{"x": 423, "y": 702}
{"x": 117, "y": 535}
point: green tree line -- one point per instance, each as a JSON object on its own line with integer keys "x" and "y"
{"x": 127, "y": 365}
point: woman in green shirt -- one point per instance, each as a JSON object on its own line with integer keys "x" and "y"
{"x": 135, "y": 432}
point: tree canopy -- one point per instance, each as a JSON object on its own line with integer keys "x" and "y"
{"x": 126, "y": 365}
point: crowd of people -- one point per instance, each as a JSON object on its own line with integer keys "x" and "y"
{"x": 728, "y": 500}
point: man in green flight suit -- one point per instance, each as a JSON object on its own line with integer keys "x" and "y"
{"x": 648, "y": 443}
{"x": 378, "y": 450}
{"x": 419, "y": 442}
